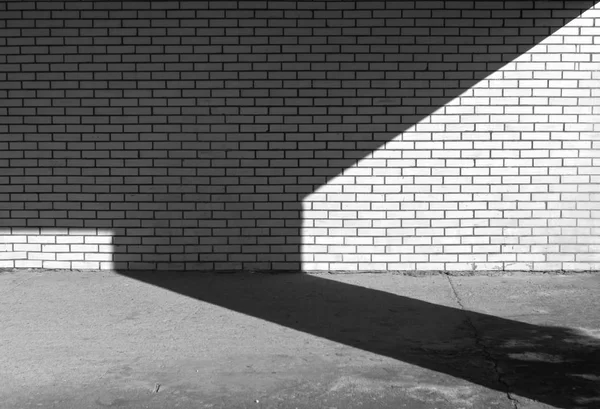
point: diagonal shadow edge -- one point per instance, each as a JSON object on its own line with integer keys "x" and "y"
{"x": 551, "y": 18}
{"x": 170, "y": 229}
{"x": 251, "y": 234}
{"x": 482, "y": 349}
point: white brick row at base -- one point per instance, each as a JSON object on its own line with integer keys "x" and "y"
{"x": 86, "y": 249}
{"x": 93, "y": 249}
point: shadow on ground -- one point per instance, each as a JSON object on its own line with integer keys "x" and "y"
{"x": 553, "y": 365}
{"x": 210, "y": 174}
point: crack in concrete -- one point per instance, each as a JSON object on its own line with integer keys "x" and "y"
{"x": 484, "y": 349}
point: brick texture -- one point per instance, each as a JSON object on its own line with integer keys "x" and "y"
{"x": 277, "y": 135}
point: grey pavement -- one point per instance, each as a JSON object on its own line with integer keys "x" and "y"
{"x": 92, "y": 339}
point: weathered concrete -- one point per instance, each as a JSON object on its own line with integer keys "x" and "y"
{"x": 100, "y": 339}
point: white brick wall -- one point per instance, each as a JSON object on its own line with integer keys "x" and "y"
{"x": 503, "y": 177}
{"x": 325, "y": 135}
{"x": 56, "y": 248}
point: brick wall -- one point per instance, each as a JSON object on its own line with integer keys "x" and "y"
{"x": 327, "y": 135}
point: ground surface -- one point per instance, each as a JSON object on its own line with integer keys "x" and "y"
{"x": 109, "y": 340}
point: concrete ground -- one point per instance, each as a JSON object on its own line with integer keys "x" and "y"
{"x": 148, "y": 340}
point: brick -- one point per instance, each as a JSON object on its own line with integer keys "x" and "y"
{"x": 302, "y": 100}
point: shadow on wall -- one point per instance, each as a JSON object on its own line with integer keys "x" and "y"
{"x": 553, "y": 365}
{"x": 194, "y": 135}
